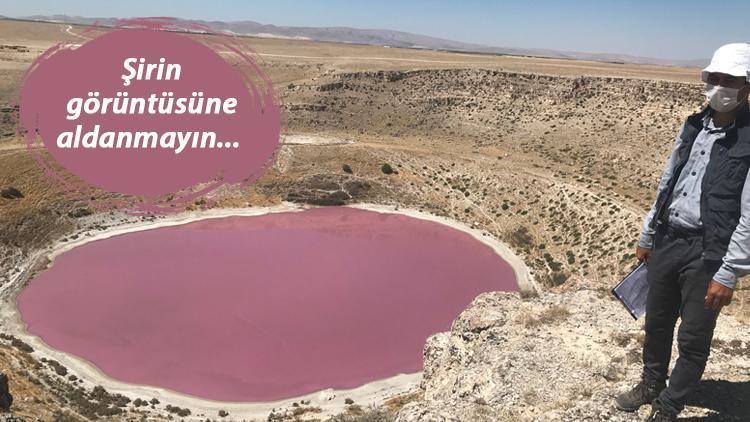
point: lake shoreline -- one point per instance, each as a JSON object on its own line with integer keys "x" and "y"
{"x": 330, "y": 401}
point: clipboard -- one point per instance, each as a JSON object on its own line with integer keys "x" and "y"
{"x": 632, "y": 291}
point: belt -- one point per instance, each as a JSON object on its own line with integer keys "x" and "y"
{"x": 676, "y": 231}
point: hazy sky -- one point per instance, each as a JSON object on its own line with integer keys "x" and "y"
{"x": 674, "y": 29}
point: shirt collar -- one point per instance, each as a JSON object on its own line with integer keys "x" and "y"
{"x": 708, "y": 124}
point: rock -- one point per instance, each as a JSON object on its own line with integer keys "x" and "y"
{"x": 485, "y": 312}
{"x": 326, "y": 395}
{"x": 451, "y": 412}
{"x": 559, "y": 356}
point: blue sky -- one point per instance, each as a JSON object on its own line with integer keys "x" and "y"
{"x": 670, "y": 29}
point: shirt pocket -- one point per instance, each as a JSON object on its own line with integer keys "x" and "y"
{"x": 723, "y": 203}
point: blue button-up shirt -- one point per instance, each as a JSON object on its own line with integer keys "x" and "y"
{"x": 684, "y": 209}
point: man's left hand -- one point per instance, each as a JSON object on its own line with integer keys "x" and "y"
{"x": 718, "y": 295}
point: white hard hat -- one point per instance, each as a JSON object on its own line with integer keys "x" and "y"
{"x": 732, "y": 59}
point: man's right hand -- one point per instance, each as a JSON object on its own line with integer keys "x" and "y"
{"x": 642, "y": 253}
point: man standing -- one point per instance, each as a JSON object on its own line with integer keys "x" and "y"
{"x": 696, "y": 237}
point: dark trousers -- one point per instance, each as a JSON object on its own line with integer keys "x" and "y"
{"x": 678, "y": 280}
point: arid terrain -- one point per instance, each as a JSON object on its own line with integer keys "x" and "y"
{"x": 558, "y": 159}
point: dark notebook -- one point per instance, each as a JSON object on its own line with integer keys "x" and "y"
{"x": 633, "y": 290}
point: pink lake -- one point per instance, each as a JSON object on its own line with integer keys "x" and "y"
{"x": 265, "y": 307}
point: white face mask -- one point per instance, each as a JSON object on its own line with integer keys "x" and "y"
{"x": 721, "y": 98}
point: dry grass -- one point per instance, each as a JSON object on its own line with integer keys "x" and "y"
{"x": 394, "y": 404}
{"x": 580, "y": 391}
{"x": 530, "y": 397}
{"x": 551, "y": 315}
{"x": 355, "y": 413}
{"x": 623, "y": 339}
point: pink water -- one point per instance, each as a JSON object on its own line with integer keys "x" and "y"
{"x": 262, "y": 308}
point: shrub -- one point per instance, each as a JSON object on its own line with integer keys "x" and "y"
{"x": 178, "y": 410}
{"x": 57, "y": 367}
{"x": 370, "y": 414}
{"x": 21, "y": 345}
{"x": 559, "y": 278}
{"x": 11, "y": 193}
{"x": 80, "y": 212}
{"x": 521, "y": 238}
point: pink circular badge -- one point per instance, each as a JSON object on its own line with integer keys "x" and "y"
{"x": 149, "y": 112}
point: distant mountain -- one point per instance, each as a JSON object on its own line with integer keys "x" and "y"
{"x": 386, "y": 37}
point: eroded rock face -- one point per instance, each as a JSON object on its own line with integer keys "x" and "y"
{"x": 555, "y": 357}
{"x": 6, "y": 399}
